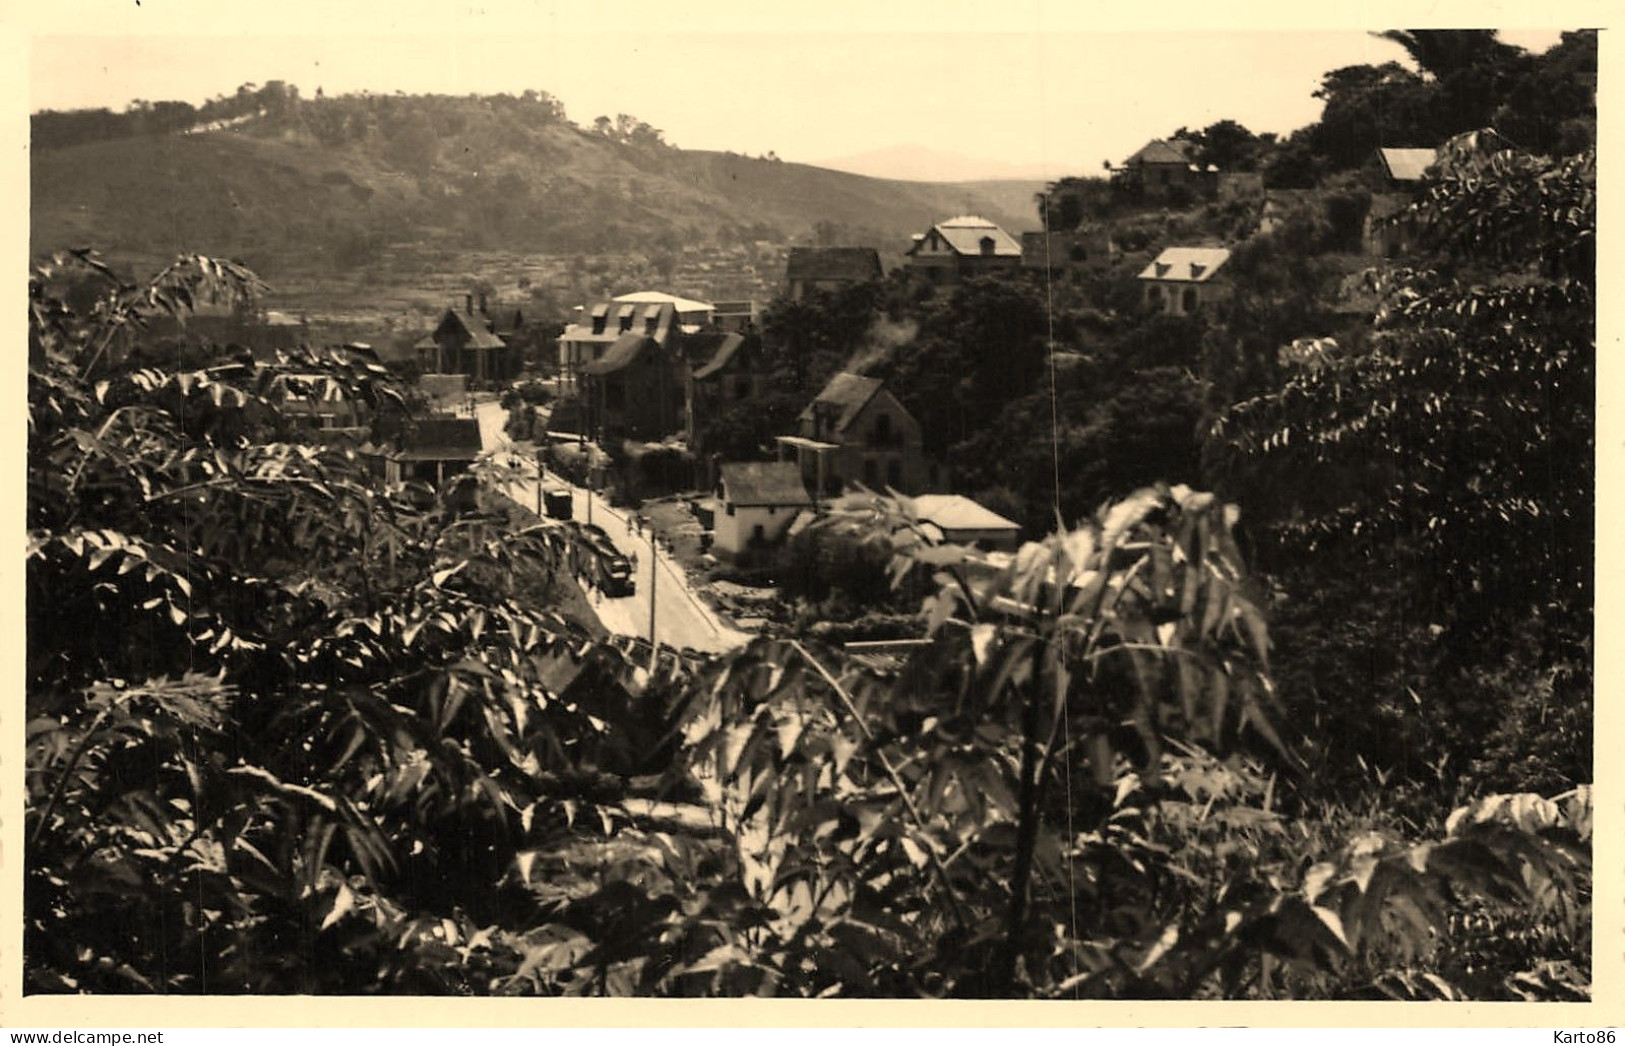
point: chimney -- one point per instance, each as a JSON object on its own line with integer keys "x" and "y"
{"x": 482, "y": 301}
{"x": 468, "y": 304}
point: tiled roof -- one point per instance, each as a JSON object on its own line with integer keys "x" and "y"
{"x": 1186, "y": 264}
{"x": 1160, "y": 151}
{"x": 1407, "y": 165}
{"x": 833, "y": 263}
{"x": 763, "y": 483}
{"x": 846, "y": 391}
{"x": 955, "y": 512}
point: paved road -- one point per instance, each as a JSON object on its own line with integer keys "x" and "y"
{"x": 681, "y": 618}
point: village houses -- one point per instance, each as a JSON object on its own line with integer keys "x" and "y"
{"x": 1397, "y": 176}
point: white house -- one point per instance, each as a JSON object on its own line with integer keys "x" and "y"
{"x": 1182, "y": 279}
{"x": 756, "y": 503}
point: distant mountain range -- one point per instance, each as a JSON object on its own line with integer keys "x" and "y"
{"x": 320, "y": 185}
{"x": 921, "y": 163}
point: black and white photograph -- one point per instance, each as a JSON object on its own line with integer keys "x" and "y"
{"x": 593, "y": 503}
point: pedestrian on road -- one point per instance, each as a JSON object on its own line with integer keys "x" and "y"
{"x": 634, "y": 558}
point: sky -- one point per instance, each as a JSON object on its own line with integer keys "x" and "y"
{"x": 1024, "y": 82}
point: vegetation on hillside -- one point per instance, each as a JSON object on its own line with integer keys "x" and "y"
{"x": 358, "y": 749}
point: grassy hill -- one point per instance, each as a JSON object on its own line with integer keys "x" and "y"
{"x": 451, "y": 176}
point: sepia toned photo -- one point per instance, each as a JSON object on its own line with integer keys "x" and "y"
{"x": 700, "y": 513}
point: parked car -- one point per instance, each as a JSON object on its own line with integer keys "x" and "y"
{"x": 560, "y": 502}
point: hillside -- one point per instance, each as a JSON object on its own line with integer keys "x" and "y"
{"x": 456, "y": 175}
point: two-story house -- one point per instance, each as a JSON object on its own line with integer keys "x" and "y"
{"x": 464, "y": 343}
{"x": 1182, "y": 279}
{"x": 1164, "y": 168}
{"x": 962, "y": 247}
{"x": 855, "y": 431}
{"x": 634, "y": 390}
{"x": 724, "y": 370}
{"x": 604, "y": 324}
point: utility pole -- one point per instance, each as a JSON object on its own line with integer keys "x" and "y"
{"x": 654, "y": 575}
{"x": 538, "y": 481}
{"x": 589, "y": 491}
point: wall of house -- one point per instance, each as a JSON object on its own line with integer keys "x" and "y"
{"x": 996, "y": 540}
{"x": 1180, "y": 297}
{"x": 878, "y": 456}
{"x": 736, "y": 532}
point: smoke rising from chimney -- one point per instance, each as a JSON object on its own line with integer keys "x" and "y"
{"x": 883, "y": 338}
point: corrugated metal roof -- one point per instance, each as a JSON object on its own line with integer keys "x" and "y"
{"x": 763, "y": 483}
{"x": 1186, "y": 264}
{"x": 1407, "y": 165}
{"x": 956, "y": 512}
{"x": 660, "y": 297}
{"x": 966, "y": 233}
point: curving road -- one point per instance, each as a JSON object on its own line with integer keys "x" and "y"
{"x": 681, "y": 618}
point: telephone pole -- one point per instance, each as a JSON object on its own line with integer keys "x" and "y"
{"x": 654, "y": 574}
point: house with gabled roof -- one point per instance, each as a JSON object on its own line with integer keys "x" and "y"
{"x": 1397, "y": 176}
{"x": 755, "y": 504}
{"x": 856, "y": 431}
{"x": 464, "y": 343}
{"x": 634, "y": 390}
{"x": 1164, "y": 167}
{"x": 810, "y": 269}
{"x": 963, "y": 247}
{"x": 433, "y": 449}
{"x": 724, "y": 370}
{"x": 1182, "y": 279}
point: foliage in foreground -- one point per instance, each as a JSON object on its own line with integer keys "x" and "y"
{"x": 289, "y": 734}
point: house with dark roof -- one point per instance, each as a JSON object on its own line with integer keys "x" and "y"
{"x": 634, "y": 390}
{"x": 1182, "y": 279}
{"x": 810, "y": 269}
{"x": 1071, "y": 251}
{"x": 465, "y": 343}
{"x": 962, "y": 247}
{"x": 856, "y": 431}
{"x": 1166, "y": 167}
{"x": 723, "y": 370}
{"x": 602, "y": 324}
{"x": 433, "y": 449}
{"x": 755, "y": 504}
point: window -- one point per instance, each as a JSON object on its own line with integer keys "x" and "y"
{"x": 870, "y": 473}
{"x": 1191, "y": 299}
{"x": 883, "y": 432}
{"x": 1153, "y": 296}
{"x": 730, "y": 508}
{"x": 651, "y": 322}
{"x": 987, "y": 246}
{"x": 741, "y": 388}
{"x": 626, "y": 322}
{"x": 894, "y": 474}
